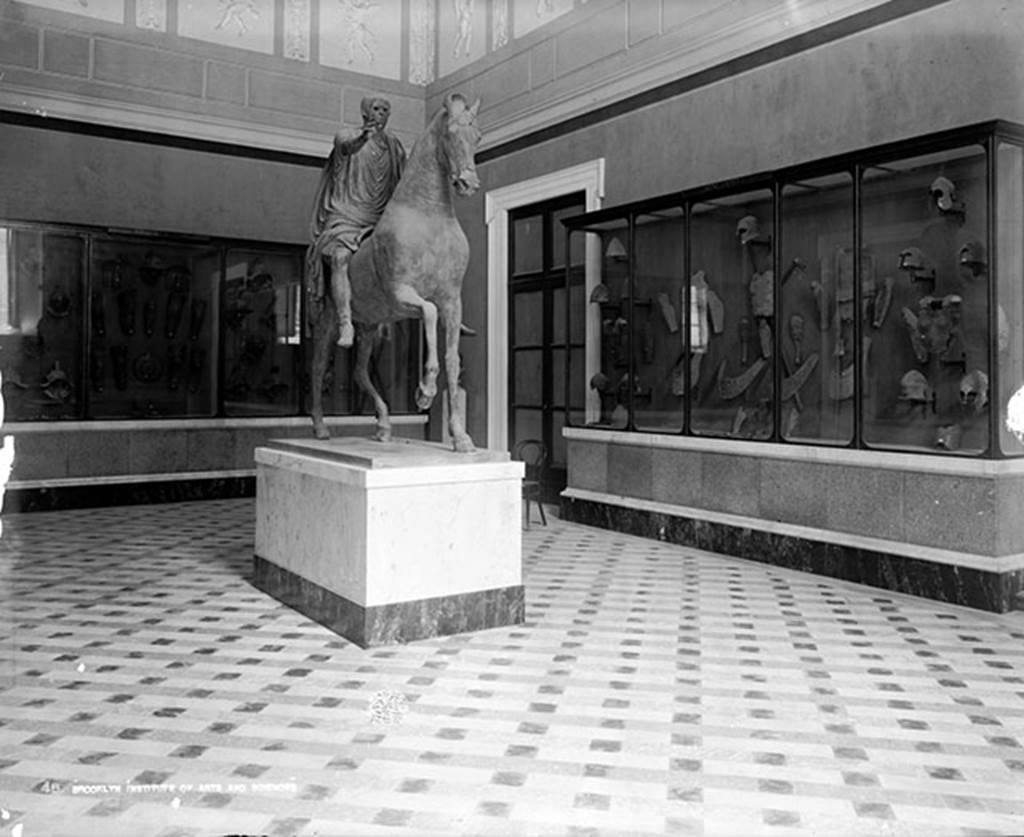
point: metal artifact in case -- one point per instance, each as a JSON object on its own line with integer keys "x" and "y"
{"x": 150, "y": 342}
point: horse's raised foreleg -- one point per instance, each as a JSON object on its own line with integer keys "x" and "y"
{"x": 365, "y": 342}
{"x": 427, "y": 388}
{"x": 325, "y": 326}
{"x": 452, "y": 316}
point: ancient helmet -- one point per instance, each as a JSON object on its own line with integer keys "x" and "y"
{"x": 944, "y": 194}
{"x": 749, "y": 229}
{"x": 974, "y": 390}
{"x": 911, "y": 259}
{"x": 914, "y": 387}
{"x": 972, "y": 255}
{"x": 916, "y": 263}
{"x": 600, "y": 293}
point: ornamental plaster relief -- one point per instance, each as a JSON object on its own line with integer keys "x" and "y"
{"x": 462, "y": 33}
{"x": 499, "y": 13}
{"x": 363, "y": 36}
{"x": 151, "y": 14}
{"x": 245, "y": 24}
{"x": 422, "y": 41}
{"x": 531, "y": 14}
{"x": 296, "y": 29}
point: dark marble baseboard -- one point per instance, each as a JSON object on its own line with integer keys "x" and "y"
{"x": 391, "y": 623}
{"x": 985, "y": 590}
{"x": 61, "y": 497}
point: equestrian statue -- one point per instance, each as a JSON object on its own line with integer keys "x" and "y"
{"x": 385, "y": 227}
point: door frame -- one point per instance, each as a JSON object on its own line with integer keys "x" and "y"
{"x": 587, "y": 178}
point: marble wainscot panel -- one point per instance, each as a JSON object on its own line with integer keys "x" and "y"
{"x": 997, "y": 588}
{"x": 946, "y": 528}
{"x": 386, "y": 542}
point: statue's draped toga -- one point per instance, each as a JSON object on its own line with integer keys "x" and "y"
{"x": 355, "y": 185}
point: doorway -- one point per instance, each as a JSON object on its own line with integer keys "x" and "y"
{"x": 545, "y": 324}
{"x": 587, "y": 178}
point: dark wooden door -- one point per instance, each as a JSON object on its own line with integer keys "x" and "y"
{"x": 539, "y": 331}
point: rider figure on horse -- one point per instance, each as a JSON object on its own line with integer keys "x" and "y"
{"x": 357, "y": 182}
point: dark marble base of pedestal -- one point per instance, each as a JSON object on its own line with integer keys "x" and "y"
{"x": 986, "y": 590}
{"x": 65, "y": 497}
{"x": 391, "y": 623}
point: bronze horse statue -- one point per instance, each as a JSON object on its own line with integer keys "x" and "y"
{"x": 412, "y": 266}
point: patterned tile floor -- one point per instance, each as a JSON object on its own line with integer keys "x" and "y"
{"x": 147, "y": 689}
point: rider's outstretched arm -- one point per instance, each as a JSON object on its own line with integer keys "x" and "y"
{"x": 350, "y": 145}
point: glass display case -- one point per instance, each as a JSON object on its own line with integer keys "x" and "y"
{"x": 42, "y": 323}
{"x": 99, "y": 324}
{"x": 1007, "y": 320}
{"x": 926, "y": 366}
{"x": 262, "y": 335}
{"x": 595, "y": 377}
{"x": 731, "y": 316}
{"x": 816, "y": 313}
{"x": 150, "y": 340}
{"x": 656, "y": 319}
{"x": 873, "y": 300}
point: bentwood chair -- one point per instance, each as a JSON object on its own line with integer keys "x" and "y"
{"x": 534, "y": 455}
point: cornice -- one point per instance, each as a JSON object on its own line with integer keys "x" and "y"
{"x": 133, "y": 117}
{"x": 178, "y": 124}
{"x": 592, "y": 89}
{"x": 773, "y": 35}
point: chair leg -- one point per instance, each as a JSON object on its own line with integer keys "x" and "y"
{"x": 543, "y": 519}
{"x": 526, "y": 513}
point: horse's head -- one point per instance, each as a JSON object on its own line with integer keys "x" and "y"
{"x": 458, "y": 143}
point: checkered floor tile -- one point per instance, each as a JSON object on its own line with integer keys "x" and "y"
{"x": 148, "y": 690}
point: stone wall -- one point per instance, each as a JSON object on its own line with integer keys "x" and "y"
{"x": 105, "y": 462}
{"x": 51, "y": 174}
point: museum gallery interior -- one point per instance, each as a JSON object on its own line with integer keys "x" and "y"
{"x": 673, "y": 483}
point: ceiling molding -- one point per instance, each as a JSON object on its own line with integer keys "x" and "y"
{"x": 173, "y": 124}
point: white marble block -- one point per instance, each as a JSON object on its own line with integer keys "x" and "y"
{"x": 389, "y": 542}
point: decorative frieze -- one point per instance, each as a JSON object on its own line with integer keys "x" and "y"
{"x": 422, "y": 41}
{"x": 499, "y": 21}
{"x": 151, "y": 14}
{"x": 296, "y": 30}
{"x": 531, "y": 14}
{"x": 363, "y": 36}
{"x": 245, "y": 24}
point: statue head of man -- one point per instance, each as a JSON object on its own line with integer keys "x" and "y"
{"x": 375, "y": 112}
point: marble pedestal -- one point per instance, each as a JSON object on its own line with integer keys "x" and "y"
{"x": 386, "y": 542}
